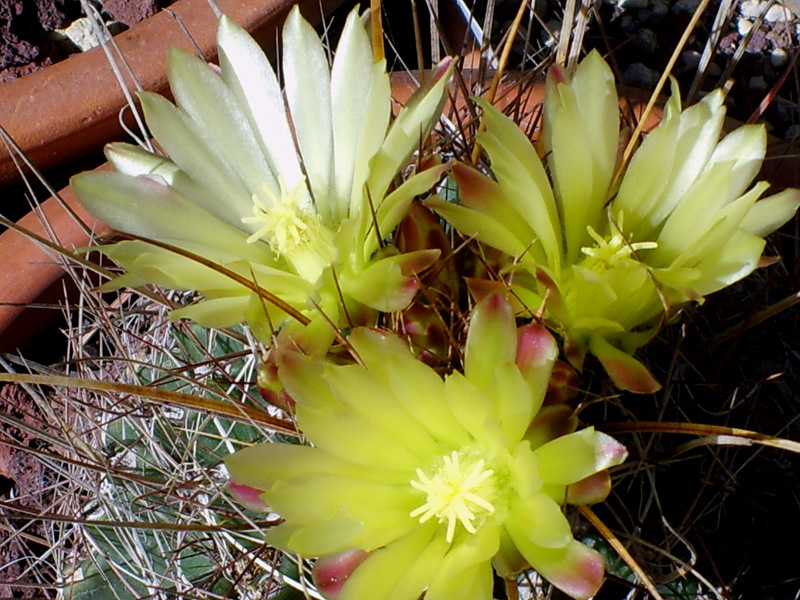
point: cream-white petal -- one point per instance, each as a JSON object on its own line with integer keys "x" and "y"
{"x": 253, "y": 82}
{"x": 307, "y": 79}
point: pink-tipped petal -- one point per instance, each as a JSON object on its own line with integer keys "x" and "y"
{"x": 536, "y": 348}
{"x": 591, "y": 490}
{"x": 557, "y": 74}
{"x": 626, "y": 372}
{"x": 271, "y": 387}
{"x": 422, "y": 230}
{"x": 247, "y": 496}
{"x": 575, "y": 569}
{"x": 491, "y": 339}
{"x": 608, "y": 451}
{"x": 331, "y": 572}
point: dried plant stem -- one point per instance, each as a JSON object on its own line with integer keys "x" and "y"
{"x": 377, "y": 30}
{"x": 621, "y": 550}
{"x": 235, "y": 412}
{"x": 512, "y": 33}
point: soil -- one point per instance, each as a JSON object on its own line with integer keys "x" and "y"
{"x": 28, "y": 29}
{"x": 23, "y": 481}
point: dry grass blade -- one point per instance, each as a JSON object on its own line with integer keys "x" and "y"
{"x": 621, "y": 550}
{"x": 243, "y": 414}
{"x": 711, "y": 434}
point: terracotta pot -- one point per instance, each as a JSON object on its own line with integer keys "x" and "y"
{"x": 52, "y": 131}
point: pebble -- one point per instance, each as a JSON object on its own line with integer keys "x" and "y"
{"x": 778, "y": 57}
{"x": 685, "y": 6}
{"x": 743, "y": 25}
{"x": 638, "y": 75}
{"x": 690, "y": 59}
{"x": 646, "y": 40}
{"x": 81, "y": 34}
{"x": 752, "y": 9}
{"x": 757, "y": 83}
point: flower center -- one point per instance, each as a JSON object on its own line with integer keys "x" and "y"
{"x": 454, "y": 493}
{"x": 293, "y": 229}
{"x": 610, "y": 252}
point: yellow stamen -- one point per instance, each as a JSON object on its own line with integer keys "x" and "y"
{"x": 452, "y": 494}
{"x": 607, "y": 253}
{"x": 293, "y": 229}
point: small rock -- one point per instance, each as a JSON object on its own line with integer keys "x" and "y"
{"x": 690, "y": 59}
{"x": 729, "y": 43}
{"x": 757, "y": 44}
{"x": 780, "y": 36}
{"x": 646, "y": 40}
{"x": 130, "y": 12}
{"x": 634, "y": 4}
{"x": 757, "y": 83}
{"x": 714, "y": 71}
{"x": 81, "y": 34}
{"x": 658, "y": 10}
{"x": 629, "y": 24}
{"x": 778, "y": 14}
{"x": 638, "y": 75}
{"x": 687, "y": 7}
{"x": 778, "y": 57}
{"x": 743, "y": 25}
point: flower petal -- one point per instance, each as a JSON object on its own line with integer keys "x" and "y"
{"x": 219, "y": 119}
{"x": 178, "y": 135}
{"x": 770, "y": 213}
{"x": 308, "y": 93}
{"x": 388, "y": 284}
{"x": 591, "y": 490}
{"x": 573, "y": 457}
{"x": 540, "y": 519}
{"x": 332, "y": 571}
{"x": 385, "y": 568}
{"x": 252, "y": 80}
{"x": 491, "y": 340}
{"x": 475, "y": 224}
{"x": 261, "y": 465}
{"x": 363, "y": 392}
{"x": 351, "y": 79}
{"x": 132, "y": 160}
{"x": 537, "y": 352}
{"x": 412, "y": 125}
{"x": 148, "y": 207}
{"x": 626, "y": 372}
{"x": 396, "y": 205}
{"x": 575, "y": 569}
{"x": 466, "y": 571}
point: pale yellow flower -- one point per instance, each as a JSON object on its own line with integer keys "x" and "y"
{"x": 275, "y": 196}
{"x": 421, "y": 484}
{"x": 611, "y": 266}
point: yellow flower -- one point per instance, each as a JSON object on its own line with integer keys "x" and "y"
{"x": 611, "y": 266}
{"x": 421, "y": 484}
{"x": 275, "y": 197}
